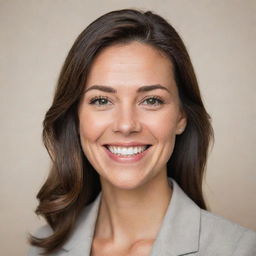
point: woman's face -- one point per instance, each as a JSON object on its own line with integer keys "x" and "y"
{"x": 130, "y": 114}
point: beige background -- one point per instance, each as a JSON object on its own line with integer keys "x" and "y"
{"x": 35, "y": 37}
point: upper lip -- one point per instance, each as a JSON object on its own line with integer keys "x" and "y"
{"x": 127, "y": 144}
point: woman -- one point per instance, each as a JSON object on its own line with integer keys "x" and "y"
{"x": 128, "y": 135}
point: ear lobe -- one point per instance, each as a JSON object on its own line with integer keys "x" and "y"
{"x": 181, "y": 124}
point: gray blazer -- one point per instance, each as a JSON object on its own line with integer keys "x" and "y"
{"x": 185, "y": 230}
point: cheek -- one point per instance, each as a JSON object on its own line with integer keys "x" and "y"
{"x": 91, "y": 125}
{"x": 163, "y": 125}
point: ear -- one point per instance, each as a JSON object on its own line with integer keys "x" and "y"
{"x": 182, "y": 123}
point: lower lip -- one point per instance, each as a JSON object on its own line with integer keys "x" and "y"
{"x": 127, "y": 159}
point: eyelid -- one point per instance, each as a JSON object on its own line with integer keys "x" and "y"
{"x": 152, "y": 96}
{"x": 98, "y": 98}
{"x": 155, "y": 97}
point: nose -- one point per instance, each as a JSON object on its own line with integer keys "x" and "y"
{"x": 126, "y": 120}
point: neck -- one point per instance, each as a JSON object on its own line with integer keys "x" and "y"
{"x": 126, "y": 216}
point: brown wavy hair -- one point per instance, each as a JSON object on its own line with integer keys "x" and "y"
{"x": 72, "y": 182}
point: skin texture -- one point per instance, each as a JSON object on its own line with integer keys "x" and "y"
{"x": 130, "y": 212}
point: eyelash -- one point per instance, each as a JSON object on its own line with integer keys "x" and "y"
{"x": 97, "y": 98}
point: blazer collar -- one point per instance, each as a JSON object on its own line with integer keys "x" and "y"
{"x": 180, "y": 229}
{"x": 178, "y": 235}
{"x": 81, "y": 239}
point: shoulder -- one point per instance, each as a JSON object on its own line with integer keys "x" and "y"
{"x": 219, "y": 233}
{"x": 205, "y": 233}
{"x": 82, "y": 231}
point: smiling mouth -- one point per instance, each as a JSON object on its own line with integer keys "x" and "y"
{"x": 127, "y": 150}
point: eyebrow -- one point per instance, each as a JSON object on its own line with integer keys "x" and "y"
{"x": 109, "y": 89}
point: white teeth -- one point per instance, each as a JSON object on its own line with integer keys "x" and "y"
{"x": 126, "y": 150}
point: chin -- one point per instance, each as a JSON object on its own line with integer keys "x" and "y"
{"x": 125, "y": 182}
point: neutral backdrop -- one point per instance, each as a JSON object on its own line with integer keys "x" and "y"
{"x": 35, "y": 38}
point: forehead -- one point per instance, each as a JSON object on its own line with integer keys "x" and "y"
{"x": 131, "y": 64}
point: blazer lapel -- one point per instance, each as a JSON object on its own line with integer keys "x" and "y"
{"x": 178, "y": 235}
{"x": 180, "y": 229}
{"x": 79, "y": 244}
